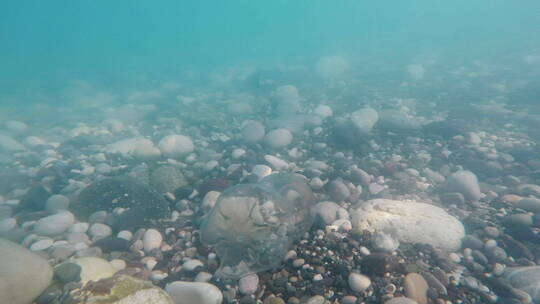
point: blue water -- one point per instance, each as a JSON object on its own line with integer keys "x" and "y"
{"x": 45, "y": 43}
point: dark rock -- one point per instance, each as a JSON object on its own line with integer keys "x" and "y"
{"x": 123, "y": 192}
{"x": 471, "y": 241}
{"x": 515, "y": 248}
{"x": 52, "y": 293}
{"x": 68, "y": 272}
{"x": 452, "y": 198}
{"x": 215, "y": 184}
{"x": 379, "y": 263}
{"x": 447, "y": 128}
{"x": 112, "y": 243}
{"x": 34, "y": 199}
{"x": 480, "y": 257}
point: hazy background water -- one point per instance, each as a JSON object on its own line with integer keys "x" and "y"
{"x": 44, "y": 44}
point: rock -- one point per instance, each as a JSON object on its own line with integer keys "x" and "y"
{"x": 191, "y": 265}
{"x": 121, "y": 289}
{"x": 360, "y": 176}
{"x": 24, "y": 275}
{"x": 143, "y": 202}
{"x": 325, "y": 213}
{"x": 278, "y": 138}
{"x": 261, "y": 171}
{"x": 41, "y": 245}
{"x": 338, "y": 190}
{"x": 526, "y": 279}
{"x": 138, "y": 147}
{"x": 276, "y": 163}
{"x": 416, "y": 287}
{"x": 452, "y": 198}
{"x": 364, "y": 119}
{"x": 7, "y": 224}
{"x": 518, "y": 220}
{"x": 385, "y": 242}
{"x": 252, "y": 131}
{"x": 415, "y": 71}
{"x": 54, "y": 224}
{"x": 99, "y": 230}
{"x": 68, "y": 272}
{"x": 176, "y": 145}
{"x": 358, "y": 282}
{"x": 529, "y": 204}
{"x": 410, "y": 221}
{"x": 194, "y": 292}
{"x": 93, "y": 268}
{"x": 248, "y": 285}
{"x": 447, "y": 128}
{"x": 34, "y": 199}
{"x": 401, "y": 300}
{"x": 152, "y": 239}
{"x": 57, "y": 202}
{"x": 397, "y": 122}
{"x": 379, "y": 263}
{"x": 167, "y": 179}
{"x": 210, "y": 200}
{"x": 466, "y": 183}
{"x": 111, "y": 243}
{"x": 529, "y": 189}
{"x": 323, "y": 111}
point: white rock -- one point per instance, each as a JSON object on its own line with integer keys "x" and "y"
{"x": 80, "y": 227}
{"x": 277, "y": 163}
{"x": 466, "y": 183}
{"x": 288, "y": 99}
{"x": 325, "y": 212}
{"x": 364, "y": 119}
{"x": 54, "y": 224}
{"x": 125, "y": 234}
{"x": 385, "y": 242}
{"x": 41, "y": 245}
{"x": 24, "y": 275}
{"x": 410, "y": 221}
{"x": 16, "y": 126}
{"x": 248, "y": 285}
{"x": 237, "y": 153}
{"x": 331, "y": 67}
{"x": 194, "y": 292}
{"x": 190, "y": 265}
{"x": 358, "y": 282}
{"x": 176, "y": 145}
{"x": 93, "y": 269}
{"x": 152, "y": 239}
{"x": 210, "y": 199}
{"x": 253, "y": 131}
{"x": 33, "y": 141}
{"x": 118, "y": 264}
{"x": 57, "y": 202}
{"x": 323, "y": 111}
{"x": 9, "y": 144}
{"x": 99, "y": 230}
{"x": 261, "y": 171}
{"x": 278, "y": 138}
{"x": 203, "y": 277}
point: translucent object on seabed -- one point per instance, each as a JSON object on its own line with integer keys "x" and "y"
{"x": 253, "y": 225}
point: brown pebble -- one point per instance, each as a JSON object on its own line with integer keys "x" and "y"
{"x": 416, "y": 287}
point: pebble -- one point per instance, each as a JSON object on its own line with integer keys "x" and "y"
{"x": 316, "y": 300}
{"x": 401, "y": 300}
{"x": 68, "y": 272}
{"x": 118, "y": 264}
{"x": 248, "y": 285}
{"x": 125, "y": 234}
{"x": 41, "y": 245}
{"x": 7, "y": 224}
{"x": 298, "y": 263}
{"x": 416, "y": 287}
{"x": 99, "y": 230}
{"x": 54, "y": 224}
{"x": 79, "y": 227}
{"x": 98, "y": 217}
{"x": 529, "y": 204}
{"x": 278, "y": 138}
{"x": 466, "y": 183}
{"x": 152, "y": 239}
{"x": 191, "y": 265}
{"x": 57, "y": 202}
{"x": 252, "y": 131}
{"x": 358, "y": 282}
{"x": 203, "y": 277}
{"x": 518, "y": 220}
{"x": 194, "y": 292}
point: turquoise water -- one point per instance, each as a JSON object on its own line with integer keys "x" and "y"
{"x": 47, "y": 42}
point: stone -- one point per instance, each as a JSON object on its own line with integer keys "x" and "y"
{"x": 278, "y": 138}
{"x": 41, "y": 245}
{"x": 323, "y": 111}
{"x": 121, "y": 289}
{"x": 397, "y": 121}
{"x": 175, "y": 146}
{"x": 261, "y": 171}
{"x": 144, "y": 203}
{"x": 167, "y": 179}
{"x": 416, "y": 287}
{"x": 152, "y": 239}
{"x": 358, "y": 282}
{"x": 338, "y": 191}
{"x": 210, "y": 199}
{"x": 518, "y": 220}
{"x": 410, "y": 222}
{"x": 194, "y": 292}
{"x": 252, "y": 131}
{"x": 452, "y": 198}
{"x": 54, "y": 224}
{"x": 360, "y": 176}
{"x": 191, "y": 265}
{"x": 379, "y": 263}
{"x": 93, "y": 268}
{"x": 7, "y": 224}
{"x": 57, "y": 202}
{"x": 68, "y": 272}
{"x": 364, "y": 119}
{"x": 466, "y": 183}
{"x": 8, "y": 144}
{"x": 111, "y": 243}
{"x": 137, "y": 147}
{"x": 99, "y": 230}
{"x": 529, "y": 204}
{"x": 325, "y": 213}
{"x": 34, "y": 199}
{"x": 525, "y": 278}
{"x": 24, "y": 275}
{"x": 248, "y": 285}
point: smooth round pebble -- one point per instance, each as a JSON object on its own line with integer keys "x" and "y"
{"x": 41, "y": 245}
{"x": 54, "y": 224}
{"x": 99, "y": 230}
{"x": 57, "y": 202}
{"x": 358, "y": 282}
{"x": 248, "y": 285}
{"x": 278, "y": 138}
{"x": 194, "y": 292}
{"x": 152, "y": 239}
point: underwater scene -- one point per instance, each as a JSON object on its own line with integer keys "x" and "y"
{"x": 270, "y": 152}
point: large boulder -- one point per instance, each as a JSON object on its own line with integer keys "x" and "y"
{"x": 23, "y": 274}
{"x": 410, "y": 221}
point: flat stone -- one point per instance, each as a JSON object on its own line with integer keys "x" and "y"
{"x": 416, "y": 287}
{"x": 194, "y": 292}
